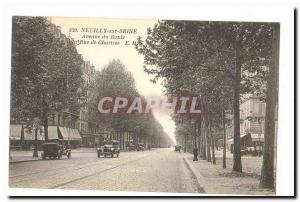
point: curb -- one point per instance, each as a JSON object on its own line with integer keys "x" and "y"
{"x": 199, "y": 178}
{"x": 22, "y": 161}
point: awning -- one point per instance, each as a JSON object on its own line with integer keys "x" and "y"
{"x": 257, "y": 137}
{"x": 70, "y": 134}
{"x": 31, "y": 136}
{"x": 76, "y": 135}
{"x": 28, "y": 135}
{"x": 230, "y": 141}
{"x": 15, "y": 132}
{"x": 65, "y": 132}
{"x": 52, "y": 132}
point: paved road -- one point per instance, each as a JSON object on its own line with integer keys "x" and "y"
{"x": 159, "y": 170}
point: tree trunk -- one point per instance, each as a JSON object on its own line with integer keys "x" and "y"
{"x": 267, "y": 172}
{"x": 204, "y": 142}
{"x": 119, "y": 138}
{"x": 35, "y": 151}
{"x": 193, "y": 138}
{"x": 196, "y": 136}
{"x": 200, "y": 139}
{"x": 22, "y": 137}
{"x": 195, "y": 149}
{"x": 46, "y": 128}
{"x": 212, "y": 145}
{"x": 184, "y": 149}
{"x": 123, "y": 140}
{"x": 237, "y": 161}
{"x": 224, "y": 139}
{"x": 127, "y": 139}
{"x": 207, "y": 143}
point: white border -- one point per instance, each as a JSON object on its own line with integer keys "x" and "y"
{"x": 190, "y": 10}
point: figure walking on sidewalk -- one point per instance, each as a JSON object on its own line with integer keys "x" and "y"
{"x": 195, "y": 151}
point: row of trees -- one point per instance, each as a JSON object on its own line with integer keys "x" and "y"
{"x": 46, "y": 71}
{"x": 115, "y": 81}
{"x": 47, "y": 77}
{"x": 218, "y": 62}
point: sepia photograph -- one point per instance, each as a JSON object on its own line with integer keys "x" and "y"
{"x": 144, "y": 105}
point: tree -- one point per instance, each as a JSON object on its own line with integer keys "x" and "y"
{"x": 204, "y": 52}
{"x": 224, "y": 139}
{"x": 42, "y": 58}
{"x": 115, "y": 80}
{"x": 267, "y": 172}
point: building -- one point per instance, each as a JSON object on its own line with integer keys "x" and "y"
{"x": 252, "y": 123}
{"x": 61, "y": 123}
{"x": 252, "y": 115}
{"x": 88, "y": 129}
{"x": 61, "y": 127}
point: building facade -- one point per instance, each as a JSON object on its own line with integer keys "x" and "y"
{"x": 89, "y": 130}
{"x": 252, "y": 124}
{"x": 61, "y": 124}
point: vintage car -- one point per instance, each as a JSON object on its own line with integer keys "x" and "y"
{"x": 54, "y": 150}
{"x": 140, "y": 147}
{"x": 109, "y": 149}
{"x": 248, "y": 150}
{"x": 177, "y": 148}
{"x": 131, "y": 147}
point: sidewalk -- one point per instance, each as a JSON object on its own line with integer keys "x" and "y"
{"x": 216, "y": 180}
{"x": 23, "y": 156}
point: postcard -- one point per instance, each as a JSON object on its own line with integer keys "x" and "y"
{"x": 144, "y": 105}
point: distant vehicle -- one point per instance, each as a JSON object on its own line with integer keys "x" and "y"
{"x": 109, "y": 149}
{"x": 248, "y": 150}
{"x": 177, "y": 148}
{"x": 55, "y": 150}
{"x": 131, "y": 147}
{"x": 140, "y": 147}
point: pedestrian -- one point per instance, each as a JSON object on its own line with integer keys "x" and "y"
{"x": 195, "y": 151}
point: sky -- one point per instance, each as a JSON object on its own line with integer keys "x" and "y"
{"x": 101, "y": 55}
